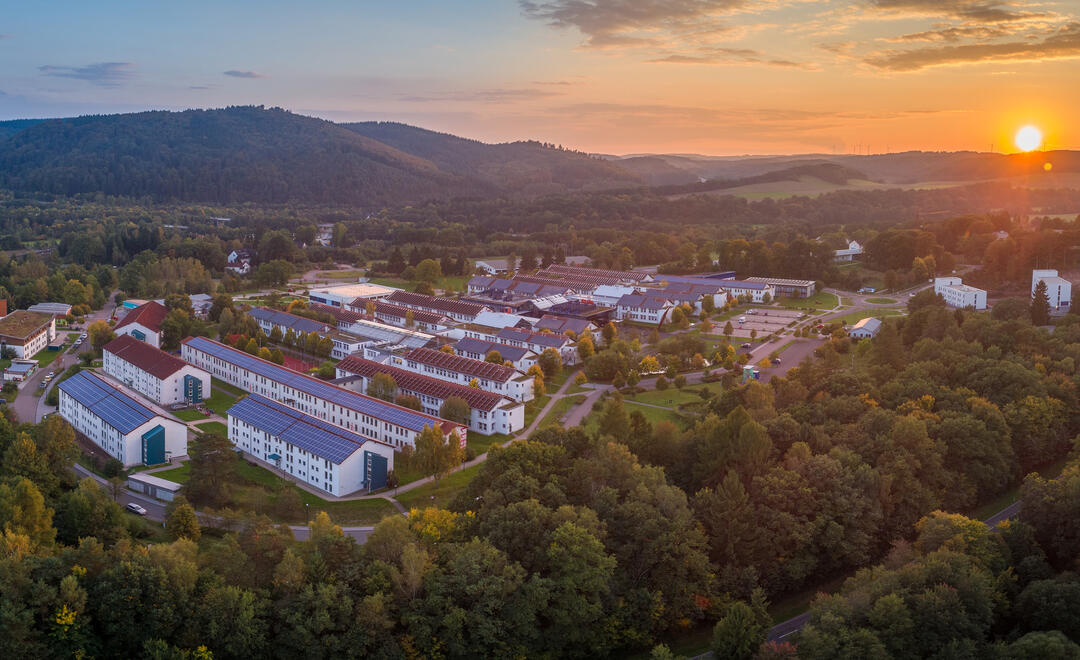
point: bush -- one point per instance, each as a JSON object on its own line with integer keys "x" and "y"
{"x": 470, "y": 454}
{"x": 112, "y": 468}
{"x": 661, "y": 383}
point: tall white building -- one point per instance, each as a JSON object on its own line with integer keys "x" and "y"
{"x": 957, "y": 294}
{"x": 1058, "y": 290}
{"x": 128, "y": 430}
{"x": 327, "y": 456}
{"x": 157, "y": 375}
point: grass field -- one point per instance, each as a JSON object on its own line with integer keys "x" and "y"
{"x": 455, "y": 282}
{"x": 481, "y": 443}
{"x": 654, "y": 415}
{"x": 820, "y": 300}
{"x": 46, "y": 357}
{"x": 533, "y": 408}
{"x": 855, "y": 317}
{"x": 339, "y": 274}
{"x": 178, "y": 474}
{"x": 672, "y": 397}
{"x": 189, "y": 415}
{"x": 222, "y": 396}
{"x": 214, "y": 427}
{"x": 882, "y": 301}
{"x": 438, "y": 494}
{"x": 561, "y": 407}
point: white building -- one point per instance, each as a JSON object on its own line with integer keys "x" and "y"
{"x": 459, "y": 310}
{"x": 1058, "y": 290}
{"x": 26, "y": 333}
{"x": 491, "y": 412}
{"x": 865, "y": 328}
{"x": 157, "y": 375}
{"x": 643, "y": 308}
{"x": 326, "y": 456}
{"x": 368, "y": 416}
{"x": 478, "y": 349}
{"x": 959, "y": 295}
{"x": 344, "y": 343}
{"x": 124, "y": 427}
{"x": 462, "y": 370}
{"x": 345, "y": 294}
{"x": 144, "y": 323}
{"x": 850, "y": 253}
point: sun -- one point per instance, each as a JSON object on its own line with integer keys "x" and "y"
{"x": 1028, "y": 138}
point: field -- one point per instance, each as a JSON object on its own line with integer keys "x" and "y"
{"x": 213, "y": 427}
{"x": 672, "y": 397}
{"x": 855, "y": 317}
{"x": 438, "y": 494}
{"x": 480, "y": 443}
{"x": 652, "y": 414}
{"x": 454, "y": 282}
{"x": 222, "y": 396}
{"x": 191, "y": 415}
{"x": 881, "y": 301}
{"x": 820, "y": 300}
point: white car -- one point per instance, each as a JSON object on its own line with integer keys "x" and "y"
{"x": 136, "y": 509}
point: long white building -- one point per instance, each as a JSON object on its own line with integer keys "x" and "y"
{"x": 368, "y": 416}
{"x": 462, "y": 370}
{"x": 1058, "y": 289}
{"x": 157, "y": 375}
{"x": 128, "y": 430}
{"x": 959, "y": 295}
{"x": 490, "y": 412}
{"x": 326, "y": 456}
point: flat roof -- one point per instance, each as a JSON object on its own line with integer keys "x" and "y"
{"x": 22, "y": 323}
{"x": 352, "y": 291}
{"x": 780, "y": 281}
{"x": 158, "y": 482}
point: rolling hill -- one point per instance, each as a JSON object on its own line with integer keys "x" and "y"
{"x": 253, "y": 154}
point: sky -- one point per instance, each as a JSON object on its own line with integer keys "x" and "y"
{"x": 719, "y": 77}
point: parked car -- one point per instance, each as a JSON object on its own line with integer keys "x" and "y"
{"x": 776, "y": 360}
{"x": 136, "y": 509}
{"x": 747, "y": 346}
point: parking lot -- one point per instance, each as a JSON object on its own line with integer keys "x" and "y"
{"x": 766, "y": 321}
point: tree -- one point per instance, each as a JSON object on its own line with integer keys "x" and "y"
{"x": 339, "y": 235}
{"x": 410, "y": 401}
{"x": 661, "y": 383}
{"x": 182, "y": 523}
{"x": 1040, "y": 305}
{"x": 435, "y": 455}
{"x": 728, "y": 329}
{"x": 429, "y": 271}
{"x": 742, "y": 630}
{"x": 410, "y": 319}
{"x": 585, "y": 348}
{"x": 277, "y": 356}
{"x": 99, "y": 334}
{"x": 23, "y": 511}
{"x": 251, "y": 347}
{"x": 382, "y": 386}
{"x": 456, "y": 409}
{"x": 213, "y": 469}
{"x": 649, "y": 364}
{"x": 174, "y": 327}
{"x": 609, "y": 332}
{"x": 493, "y": 357}
{"x": 550, "y": 363}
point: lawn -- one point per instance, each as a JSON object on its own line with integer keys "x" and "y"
{"x": 533, "y": 408}
{"x": 47, "y": 357}
{"x": 654, "y": 415}
{"x": 191, "y": 415}
{"x": 214, "y": 427}
{"x": 455, "y": 282}
{"x": 221, "y": 386}
{"x": 480, "y": 443}
{"x": 438, "y": 494}
{"x": 855, "y": 317}
{"x": 820, "y": 300}
{"x": 220, "y": 400}
{"x": 672, "y": 397}
{"x": 561, "y": 407}
{"x": 339, "y": 274}
{"x": 178, "y": 474}
{"x": 882, "y": 301}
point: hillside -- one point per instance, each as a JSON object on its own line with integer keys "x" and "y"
{"x": 252, "y": 154}
{"x": 524, "y": 167}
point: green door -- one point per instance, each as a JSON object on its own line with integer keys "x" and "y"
{"x": 153, "y": 446}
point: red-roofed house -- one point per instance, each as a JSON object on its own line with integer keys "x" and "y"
{"x": 144, "y": 323}
{"x": 491, "y": 412}
{"x": 157, "y": 375}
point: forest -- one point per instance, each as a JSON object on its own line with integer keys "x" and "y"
{"x": 619, "y": 538}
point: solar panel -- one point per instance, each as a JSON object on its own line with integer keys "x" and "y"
{"x": 309, "y": 433}
{"x": 114, "y": 408}
{"x": 372, "y": 407}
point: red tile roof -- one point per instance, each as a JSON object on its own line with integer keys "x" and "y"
{"x": 461, "y": 364}
{"x": 157, "y": 363}
{"x": 414, "y": 382}
{"x": 448, "y": 305}
{"x": 148, "y": 315}
{"x": 419, "y": 315}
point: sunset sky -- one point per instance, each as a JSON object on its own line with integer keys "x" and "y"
{"x": 615, "y": 76}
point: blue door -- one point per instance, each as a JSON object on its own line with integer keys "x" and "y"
{"x": 374, "y": 470}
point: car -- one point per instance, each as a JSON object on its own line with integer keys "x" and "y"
{"x": 746, "y": 346}
{"x": 911, "y": 295}
{"x": 51, "y": 374}
{"x": 776, "y": 360}
{"x": 136, "y": 509}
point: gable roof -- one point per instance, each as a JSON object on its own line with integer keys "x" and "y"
{"x": 528, "y": 336}
{"x": 461, "y": 364}
{"x": 448, "y": 305}
{"x": 483, "y": 347}
{"x": 287, "y": 320}
{"x": 153, "y": 361}
{"x": 148, "y": 315}
{"x": 311, "y": 434}
{"x": 561, "y": 324}
{"x": 107, "y": 401}
{"x": 644, "y": 301}
{"x": 414, "y": 382}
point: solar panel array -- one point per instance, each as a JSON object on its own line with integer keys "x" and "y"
{"x": 581, "y": 271}
{"x": 116, "y": 409}
{"x": 483, "y": 347}
{"x": 286, "y": 320}
{"x": 414, "y": 382}
{"x": 365, "y": 405}
{"x": 311, "y": 434}
{"x": 461, "y": 364}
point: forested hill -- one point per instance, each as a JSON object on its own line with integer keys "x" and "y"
{"x": 252, "y": 154}
{"x": 529, "y": 167}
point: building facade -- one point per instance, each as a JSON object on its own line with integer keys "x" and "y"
{"x": 1058, "y": 289}
{"x": 118, "y": 423}
{"x": 959, "y": 295}
{"x": 26, "y": 333}
{"x": 452, "y": 368}
{"x": 144, "y": 323}
{"x": 157, "y": 375}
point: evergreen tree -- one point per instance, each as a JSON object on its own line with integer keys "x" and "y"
{"x": 1040, "y": 305}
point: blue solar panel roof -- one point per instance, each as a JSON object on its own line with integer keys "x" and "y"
{"x": 377, "y": 408}
{"x": 107, "y": 402}
{"x": 508, "y": 352}
{"x": 292, "y": 321}
{"x": 306, "y": 432}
